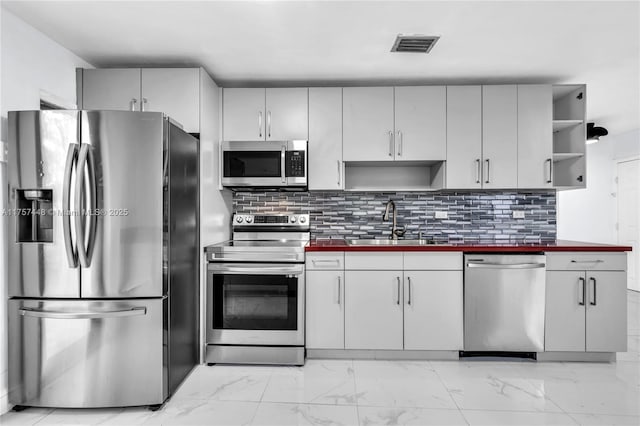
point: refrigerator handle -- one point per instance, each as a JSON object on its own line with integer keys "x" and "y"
{"x": 85, "y": 163}
{"x": 93, "y": 198}
{"x": 72, "y": 156}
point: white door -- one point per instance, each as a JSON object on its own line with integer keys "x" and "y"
{"x": 565, "y": 311}
{"x": 499, "y": 136}
{"x": 629, "y": 217}
{"x": 367, "y": 117}
{"x": 433, "y": 312}
{"x": 325, "y": 138}
{"x": 174, "y": 91}
{"x": 535, "y": 136}
{"x": 373, "y": 309}
{"x": 287, "y": 114}
{"x": 325, "y": 310}
{"x": 606, "y": 311}
{"x": 116, "y": 89}
{"x": 421, "y": 123}
{"x": 464, "y": 137}
{"x": 243, "y": 114}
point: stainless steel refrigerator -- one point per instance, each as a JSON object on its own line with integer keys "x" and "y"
{"x": 103, "y": 252}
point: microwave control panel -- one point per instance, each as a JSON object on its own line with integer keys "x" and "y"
{"x": 295, "y": 166}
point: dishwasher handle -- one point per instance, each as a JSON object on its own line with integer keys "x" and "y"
{"x": 489, "y": 265}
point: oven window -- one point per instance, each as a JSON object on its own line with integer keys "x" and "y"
{"x": 255, "y": 302}
{"x": 252, "y": 164}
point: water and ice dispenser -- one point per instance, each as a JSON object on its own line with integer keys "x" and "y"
{"x": 34, "y": 215}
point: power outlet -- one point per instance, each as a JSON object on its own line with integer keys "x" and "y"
{"x": 518, "y": 214}
{"x": 442, "y": 215}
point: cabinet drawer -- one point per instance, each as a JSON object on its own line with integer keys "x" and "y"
{"x": 589, "y": 261}
{"x": 390, "y": 261}
{"x": 326, "y": 261}
{"x": 435, "y": 261}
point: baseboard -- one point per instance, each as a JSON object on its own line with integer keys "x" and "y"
{"x": 577, "y": 356}
{"x": 381, "y": 354}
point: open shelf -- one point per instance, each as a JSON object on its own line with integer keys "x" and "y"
{"x": 559, "y": 125}
{"x": 394, "y": 176}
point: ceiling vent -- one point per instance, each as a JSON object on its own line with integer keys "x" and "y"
{"x": 414, "y": 43}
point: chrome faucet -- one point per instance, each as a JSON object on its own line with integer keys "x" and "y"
{"x": 395, "y": 232}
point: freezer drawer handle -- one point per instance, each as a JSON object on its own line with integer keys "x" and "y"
{"x": 38, "y": 313}
{"x": 506, "y": 266}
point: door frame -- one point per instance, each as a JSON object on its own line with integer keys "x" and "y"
{"x": 618, "y": 161}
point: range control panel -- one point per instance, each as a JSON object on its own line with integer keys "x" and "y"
{"x": 277, "y": 220}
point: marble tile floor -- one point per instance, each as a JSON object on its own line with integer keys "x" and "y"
{"x": 346, "y": 392}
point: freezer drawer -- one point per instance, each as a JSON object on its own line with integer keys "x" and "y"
{"x": 84, "y": 354}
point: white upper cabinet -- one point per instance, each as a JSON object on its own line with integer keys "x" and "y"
{"x": 421, "y": 123}
{"x": 287, "y": 114}
{"x": 265, "y": 114}
{"x": 499, "y": 136}
{"x": 173, "y": 91}
{"x": 243, "y": 115}
{"x": 325, "y": 138}
{"x": 368, "y": 131}
{"x": 535, "y": 138}
{"x": 464, "y": 137}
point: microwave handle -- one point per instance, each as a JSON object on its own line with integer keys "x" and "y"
{"x": 283, "y": 152}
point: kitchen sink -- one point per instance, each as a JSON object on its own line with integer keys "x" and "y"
{"x": 355, "y": 242}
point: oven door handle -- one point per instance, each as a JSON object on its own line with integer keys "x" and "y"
{"x": 257, "y": 270}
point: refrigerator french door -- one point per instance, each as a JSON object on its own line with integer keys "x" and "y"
{"x": 94, "y": 197}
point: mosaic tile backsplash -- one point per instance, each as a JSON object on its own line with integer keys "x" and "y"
{"x": 472, "y": 215}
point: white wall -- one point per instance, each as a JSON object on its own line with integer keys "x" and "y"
{"x": 590, "y": 214}
{"x": 31, "y": 65}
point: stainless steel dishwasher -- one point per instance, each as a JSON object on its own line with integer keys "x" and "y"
{"x": 504, "y": 302}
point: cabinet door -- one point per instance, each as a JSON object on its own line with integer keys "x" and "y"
{"x": 367, "y": 114}
{"x": 325, "y": 138}
{"x": 325, "y": 310}
{"x": 433, "y": 313}
{"x": 174, "y": 91}
{"x": 499, "y": 136}
{"x": 287, "y": 114}
{"x": 606, "y": 311}
{"x": 464, "y": 137}
{"x": 535, "y": 137}
{"x": 421, "y": 123}
{"x": 116, "y": 89}
{"x": 565, "y": 311}
{"x": 373, "y": 309}
{"x": 243, "y": 114}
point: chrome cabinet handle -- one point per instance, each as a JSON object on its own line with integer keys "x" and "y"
{"x": 283, "y": 164}
{"x": 409, "y": 288}
{"x": 581, "y": 291}
{"x": 391, "y": 143}
{"x": 143, "y": 103}
{"x": 487, "y": 177}
{"x": 268, "y": 124}
{"x": 594, "y": 301}
{"x": 321, "y": 261}
{"x": 399, "y": 143}
{"x": 339, "y": 172}
{"x": 72, "y": 255}
{"x": 588, "y": 261}
{"x": 260, "y": 123}
{"x": 132, "y": 104}
{"x": 550, "y": 178}
{"x": 398, "y": 300}
{"x": 478, "y": 170}
{"x": 40, "y": 313}
{"x": 339, "y": 288}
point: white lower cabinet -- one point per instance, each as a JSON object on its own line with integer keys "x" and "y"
{"x": 325, "y": 310}
{"x": 586, "y": 306}
{"x": 373, "y": 310}
{"x": 433, "y": 313}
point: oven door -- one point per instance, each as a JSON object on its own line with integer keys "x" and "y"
{"x": 254, "y": 164}
{"x": 255, "y": 304}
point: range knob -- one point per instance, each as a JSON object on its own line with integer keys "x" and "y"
{"x": 302, "y": 219}
{"x": 293, "y": 219}
{"x": 249, "y": 219}
{"x": 239, "y": 219}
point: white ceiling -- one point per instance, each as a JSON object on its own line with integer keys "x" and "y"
{"x": 336, "y": 43}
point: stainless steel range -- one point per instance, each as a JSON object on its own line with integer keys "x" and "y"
{"x": 255, "y": 291}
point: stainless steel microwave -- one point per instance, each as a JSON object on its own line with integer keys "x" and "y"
{"x": 264, "y": 165}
